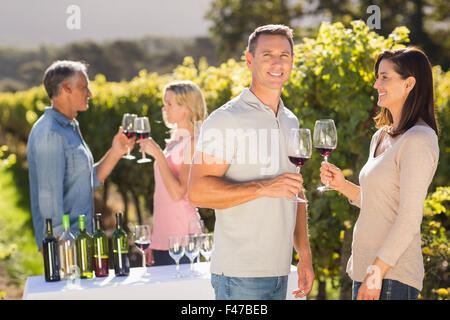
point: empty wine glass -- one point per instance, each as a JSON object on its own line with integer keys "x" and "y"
{"x": 142, "y": 128}
{"x": 192, "y": 250}
{"x": 128, "y": 130}
{"x": 325, "y": 141}
{"x": 299, "y": 151}
{"x": 142, "y": 240}
{"x": 176, "y": 251}
{"x": 206, "y": 245}
{"x": 196, "y": 227}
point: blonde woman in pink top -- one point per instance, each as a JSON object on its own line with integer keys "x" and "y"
{"x": 386, "y": 261}
{"x": 184, "y": 107}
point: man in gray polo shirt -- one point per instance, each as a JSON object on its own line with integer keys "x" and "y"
{"x": 241, "y": 169}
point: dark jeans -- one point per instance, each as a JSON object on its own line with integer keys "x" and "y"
{"x": 162, "y": 258}
{"x": 391, "y": 290}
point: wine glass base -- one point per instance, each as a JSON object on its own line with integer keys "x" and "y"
{"x": 129, "y": 157}
{"x": 324, "y": 188}
{"x": 144, "y": 161}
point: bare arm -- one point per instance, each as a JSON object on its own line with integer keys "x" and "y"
{"x": 113, "y": 155}
{"x": 334, "y": 176}
{"x": 305, "y": 269}
{"x": 207, "y": 188}
{"x": 177, "y": 187}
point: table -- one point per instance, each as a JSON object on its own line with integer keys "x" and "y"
{"x": 160, "y": 285}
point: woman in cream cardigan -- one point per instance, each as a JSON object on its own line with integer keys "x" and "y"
{"x": 386, "y": 261}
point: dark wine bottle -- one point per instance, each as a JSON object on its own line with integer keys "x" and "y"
{"x": 84, "y": 249}
{"x": 50, "y": 250}
{"x": 101, "y": 258}
{"x": 120, "y": 248}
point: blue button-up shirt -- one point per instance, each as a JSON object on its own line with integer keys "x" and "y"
{"x": 62, "y": 174}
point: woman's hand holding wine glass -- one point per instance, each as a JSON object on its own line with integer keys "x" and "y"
{"x": 325, "y": 142}
{"x": 142, "y": 128}
{"x": 150, "y": 147}
{"x": 332, "y": 175}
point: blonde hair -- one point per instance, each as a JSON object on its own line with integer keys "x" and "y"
{"x": 188, "y": 95}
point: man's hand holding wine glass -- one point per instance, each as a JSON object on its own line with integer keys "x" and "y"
{"x": 121, "y": 143}
{"x": 285, "y": 185}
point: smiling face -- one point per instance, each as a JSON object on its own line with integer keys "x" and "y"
{"x": 271, "y": 63}
{"x": 392, "y": 89}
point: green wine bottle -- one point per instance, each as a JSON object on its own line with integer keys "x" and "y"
{"x": 84, "y": 249}
{"x": 101, "y": 259}
{"x": 120, "y": 248}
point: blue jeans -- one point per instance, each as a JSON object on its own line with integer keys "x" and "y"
{"x": 245, "y": 288}
{"x": 391, "y": 290}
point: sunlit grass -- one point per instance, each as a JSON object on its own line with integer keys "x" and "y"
{"x": 18, "y": 251}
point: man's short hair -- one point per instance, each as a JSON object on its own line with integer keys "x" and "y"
{"x": 272, "y": 29}
{"x": 60, "y": 71}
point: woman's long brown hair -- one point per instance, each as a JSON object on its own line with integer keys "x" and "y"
{"x": 410, "y": 62}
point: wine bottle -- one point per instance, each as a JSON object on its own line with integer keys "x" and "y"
{"x": 50, "y": 250}
{"x": 120, "y": 248}
{"x": 84, "y": 249}
{"x": 101, "y": 259}
{"x": 68, "y": 269}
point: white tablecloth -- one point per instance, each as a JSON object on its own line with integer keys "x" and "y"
{"x": 160, "y": 285}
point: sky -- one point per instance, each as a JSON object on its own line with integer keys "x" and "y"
{"x": 30, "y": 23}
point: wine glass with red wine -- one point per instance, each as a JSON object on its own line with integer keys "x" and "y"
{"x": 142, "y": 240}
{"x": 142, "y": 129}
{"x": 325, "y": 141}
{"x": 128, "y": 130}
{"x": 299, "y": 151}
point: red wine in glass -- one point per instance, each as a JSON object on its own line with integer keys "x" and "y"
{"x": 298, "y": 161}
{"x": 325, "y": 152}
{"x": 129, "y": 133}
{"x": 142, "y": 245}
{"x": 325, "y": 141}
{"x": 142, "y": 128}
{"x": 128, "y": 130}
{"x": 142, "y": 135}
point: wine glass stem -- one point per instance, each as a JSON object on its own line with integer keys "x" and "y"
{"x": 143, "y": 259}
{"x": 298, "y": 171}
{"x": 327, "y": 184}
{"x": 143, "y": 155}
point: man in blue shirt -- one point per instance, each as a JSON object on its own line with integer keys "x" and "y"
{"x": 62, "y": 172}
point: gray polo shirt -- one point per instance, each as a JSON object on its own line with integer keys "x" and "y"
{"x": 253, "y": 239}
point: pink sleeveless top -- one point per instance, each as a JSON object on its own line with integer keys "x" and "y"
{"x": 170, "y": 217}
